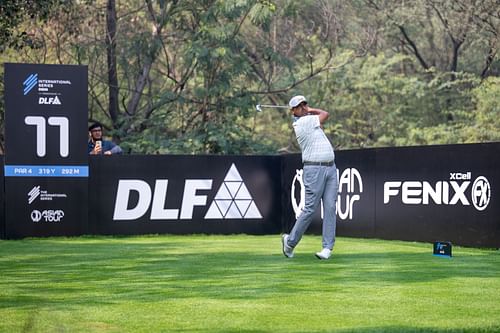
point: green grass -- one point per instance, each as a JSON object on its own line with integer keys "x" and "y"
{"x": 243, "y": 284}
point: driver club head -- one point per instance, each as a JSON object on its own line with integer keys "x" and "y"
{"x": 258, "y": 108}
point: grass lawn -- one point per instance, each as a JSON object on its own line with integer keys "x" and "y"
{"x": 243, "y": 283}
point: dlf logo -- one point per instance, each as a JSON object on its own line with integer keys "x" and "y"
{"x": 232, "y": 201}
{"x": 49, "y": 100}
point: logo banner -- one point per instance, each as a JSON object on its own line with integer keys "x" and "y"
{"x": 428, "y": 194}
{"x": 2, "y": 200}
{"x": 46, "y": 161}
{"x": 185, "y": 194}
{"x": 439, "y": 193}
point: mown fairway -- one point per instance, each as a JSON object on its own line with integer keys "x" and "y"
{"x": 243, "y": 284}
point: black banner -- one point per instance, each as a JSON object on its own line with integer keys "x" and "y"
{"x": 185, "y": 194}
{"x": 439, "y": 193}
{"x": 2, "y": 200}
{"x": 46, "y": 161}
{"x": 431, "y": 193}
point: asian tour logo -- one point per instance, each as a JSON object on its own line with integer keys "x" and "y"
{"x": 30, "y": 82}
{"x": 350, "y": 191}
{"x": 50, "y": 215}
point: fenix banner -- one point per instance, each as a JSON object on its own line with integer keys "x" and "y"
{"x": 431, "y": 193}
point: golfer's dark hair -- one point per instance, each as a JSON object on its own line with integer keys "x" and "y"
{"x": 95, "y": 125}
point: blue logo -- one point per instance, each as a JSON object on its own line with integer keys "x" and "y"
{"x": 30, "y": 83}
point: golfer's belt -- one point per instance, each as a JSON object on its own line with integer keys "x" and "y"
{"x": 330, "y": 163}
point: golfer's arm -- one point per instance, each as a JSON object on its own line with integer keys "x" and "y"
{"x": 323, "y": 115}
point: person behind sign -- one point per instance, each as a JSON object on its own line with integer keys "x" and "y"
{"x": 97, "y": 145}
{"x": 319, "y": 176}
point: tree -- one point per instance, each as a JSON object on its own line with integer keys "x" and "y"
{"x": 438, "y": 33}
{"x": 21, "y": 37}
{"x": 185, "y": 76}
{"x": 14, "y": 12}
{"x": 206, "y": 64}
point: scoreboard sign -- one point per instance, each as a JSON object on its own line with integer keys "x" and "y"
{"x": 46, "y": 161}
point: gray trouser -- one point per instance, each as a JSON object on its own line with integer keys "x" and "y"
{"x": 320, "y": 182}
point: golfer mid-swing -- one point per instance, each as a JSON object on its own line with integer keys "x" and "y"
{"x": 319, "y": 176}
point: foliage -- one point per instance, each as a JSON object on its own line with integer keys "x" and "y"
{"x": 485, "y": 120}
{"x": 376, "y": 104}
{"x": 13, "y": 13}
{"x": 189, "y": 73}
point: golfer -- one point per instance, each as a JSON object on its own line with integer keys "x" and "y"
{"x": 319, "y": 176}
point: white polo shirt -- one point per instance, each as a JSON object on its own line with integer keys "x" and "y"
{"x": 313, "y": 142}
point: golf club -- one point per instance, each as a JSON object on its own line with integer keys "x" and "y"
{"x": 259, "y": 107}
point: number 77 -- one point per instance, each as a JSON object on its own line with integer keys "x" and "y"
{"x": 39, "y": 122}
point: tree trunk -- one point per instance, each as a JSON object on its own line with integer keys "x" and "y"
{"x": 414, "y": 48}
{"x": 140, "y": 83}
{"x": 489, "y": 61}
{"x": 454, "y": 58}
{"x": 111, "y": 54}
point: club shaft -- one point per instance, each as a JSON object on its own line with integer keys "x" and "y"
{"x": 273, "y": 106}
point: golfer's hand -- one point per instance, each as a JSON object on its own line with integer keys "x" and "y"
{"x": 323, "y": 115}
{"x": 312, "y": 111}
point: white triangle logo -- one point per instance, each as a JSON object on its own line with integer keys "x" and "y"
{"x": 233, "y": 175}
{"x": 233, "y": 200}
